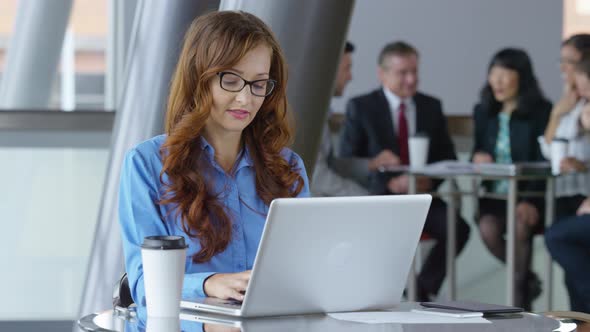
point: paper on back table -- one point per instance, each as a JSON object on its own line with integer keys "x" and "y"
{"x": 403, "y": 317}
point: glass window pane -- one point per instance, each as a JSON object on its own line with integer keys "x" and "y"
{"x": 80, "y": 72}
{"x": 89, "y": 28}
{"x": 576, "y": 17}
{"x": 50, "y": 201}
{"x": 7, "y": 15}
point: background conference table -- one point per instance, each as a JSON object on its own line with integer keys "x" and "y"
{"x": 512, "y": 173}
{"x": 111, "y": 321}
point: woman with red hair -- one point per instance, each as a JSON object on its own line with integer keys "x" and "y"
{"x": 223, "y": 159}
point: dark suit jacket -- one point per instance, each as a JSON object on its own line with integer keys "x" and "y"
{"x": 369, "y": 129}
{"x": 525, "y": 126}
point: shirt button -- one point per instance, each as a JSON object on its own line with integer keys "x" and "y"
{"x": 236, "y": 227}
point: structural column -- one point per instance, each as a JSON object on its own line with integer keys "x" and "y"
{"x": 312, "y": 34}
{"x": 121, "y": 18}
{"x": 155, "y": 45}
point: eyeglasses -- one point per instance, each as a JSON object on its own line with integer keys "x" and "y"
{"x": 235, "y": 83}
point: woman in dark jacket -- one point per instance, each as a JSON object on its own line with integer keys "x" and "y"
{"x": 511, "y": 114}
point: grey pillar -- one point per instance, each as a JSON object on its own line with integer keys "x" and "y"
{"x": 121, "y": 19}
{"x": 312, "y": 34}
{"x": 155, "y": 45}
{"x": 33, "y": 53}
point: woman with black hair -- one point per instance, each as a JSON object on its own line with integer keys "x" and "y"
{"x": 511, "y": 114}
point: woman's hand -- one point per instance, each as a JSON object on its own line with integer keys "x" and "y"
{"x": 585, "y": 116}
{"x": 527, "y": 213}
{"x": 571, "y": 164}
{"x": 568, "y": 101}
{"x": 227, "y": 285}
{"x": 482, "y": 158}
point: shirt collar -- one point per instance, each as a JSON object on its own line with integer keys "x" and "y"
{"x": 244, "y": 158}
{"x": 394, "y": 101}
{"x": 208, "y": 148}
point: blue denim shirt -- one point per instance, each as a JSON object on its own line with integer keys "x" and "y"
{"x": 140, "y": 215}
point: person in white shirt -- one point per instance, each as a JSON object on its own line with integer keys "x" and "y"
{"x": 564, "y": 123}
{"x": 326, "y": 181}
{"x": 568, "y": 240}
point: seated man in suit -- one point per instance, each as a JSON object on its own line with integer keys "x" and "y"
{"x": 326, "y": 181}
{"x": 380, "y": 122}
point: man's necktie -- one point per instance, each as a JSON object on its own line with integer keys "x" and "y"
{"x": 402, "y": 135}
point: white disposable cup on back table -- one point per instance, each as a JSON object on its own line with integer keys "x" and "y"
{"x": 559, "y": 147}
{"x": 418, "y": 149}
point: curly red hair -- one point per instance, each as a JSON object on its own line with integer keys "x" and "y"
{"x": 213, "y": 43}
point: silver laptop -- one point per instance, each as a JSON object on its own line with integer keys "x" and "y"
{"x": 329, "y": 254}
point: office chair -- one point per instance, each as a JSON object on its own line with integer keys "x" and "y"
{"x": 122, "y": 300}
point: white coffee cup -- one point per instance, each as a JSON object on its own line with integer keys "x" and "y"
{"x": 418, "y": 149}
{"x": 559, "y": 147}
{"x": 164, "y": 259}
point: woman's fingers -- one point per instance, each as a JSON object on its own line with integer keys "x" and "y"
{"x": 240, "y": 285}
{"x": 234, "y": 294}
{"x": 229, "y": 285}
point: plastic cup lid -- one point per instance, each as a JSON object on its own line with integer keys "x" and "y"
{"x": 164, "y": 242}
{"x": 420, "y": 135}
{"x": 560, "y": 139}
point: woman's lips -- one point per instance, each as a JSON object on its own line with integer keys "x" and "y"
{"x": 239, "y": 114}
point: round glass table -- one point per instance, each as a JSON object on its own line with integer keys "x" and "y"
{"x": 111, "y": 320}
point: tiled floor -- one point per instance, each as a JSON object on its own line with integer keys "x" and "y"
{"x": 490, "y": 286}
{"x": 482, "y": 277}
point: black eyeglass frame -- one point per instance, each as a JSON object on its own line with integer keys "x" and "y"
{"x": 246, "y": 82}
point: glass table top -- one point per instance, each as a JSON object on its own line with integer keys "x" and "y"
{"x": 196, "y": 321}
